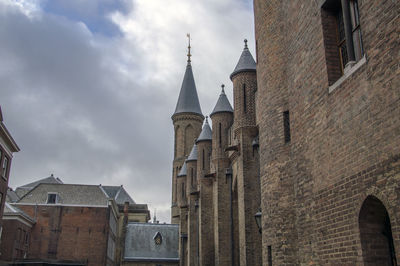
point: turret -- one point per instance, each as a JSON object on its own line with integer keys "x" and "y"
{"x": 191, "y": 174}
{"x": 222, "y": 118}
{"x": 187, "y": 120}
{"x": 244, "y": 88}
{"x": 181, "y": 185}
{"x": 204, "y": 150}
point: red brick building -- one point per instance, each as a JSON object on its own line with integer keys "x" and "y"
{"x": 7, "y": 148}
{"x": 70, "y": 223}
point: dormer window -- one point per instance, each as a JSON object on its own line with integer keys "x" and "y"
{"x": 158, "y": 238}
{"x": 52, "y": 198}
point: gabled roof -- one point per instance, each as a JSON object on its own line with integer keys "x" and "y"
{"x": 183, "y": 171}
{"x": 206, "y": 133}
{"x": 246, "y": 62}
{"x": 223, "y": 104}
{"x": 193, "y": 154}
{"x": 141, "y": 243}
{"x": 188, "y": 101}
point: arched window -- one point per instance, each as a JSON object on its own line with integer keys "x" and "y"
{"x": 376, "y": 233}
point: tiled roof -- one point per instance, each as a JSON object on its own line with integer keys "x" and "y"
{"x": 22, "y": 190}
{"x": 11, "y": 195}
{"x": 246, "y": 62}
{"x": 68, "y": 194}
{"x": 141, "y": 244}
{"x": 11, "y": 210}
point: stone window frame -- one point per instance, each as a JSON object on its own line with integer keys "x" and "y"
{"x": 5, "y": 165}
{"x": 337, "y": 73}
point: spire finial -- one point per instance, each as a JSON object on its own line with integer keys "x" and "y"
{"x": 223, "y": 91}
{"x": 189, "y": 55}
{"x": 245, "y": 44}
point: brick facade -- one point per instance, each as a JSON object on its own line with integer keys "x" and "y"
{"x": 343, "y": 156}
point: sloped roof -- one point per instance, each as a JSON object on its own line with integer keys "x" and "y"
{"x": 206, "y": 133}
{"x": 193, "y": 154}
{"x": 246, "y": 62}
{"x": 69, "y": 194}
{"x": 22, "y": 190}
{"x": 183, "y": 171}
{"x": 188, "y": 101}
{"x": 223, "y": 104}
{"x": 11, "y": 195}
{"x": 141, "y": 244}
{"x": 12, "y": 210}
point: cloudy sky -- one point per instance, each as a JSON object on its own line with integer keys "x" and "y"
{"x": 88, "y": 87}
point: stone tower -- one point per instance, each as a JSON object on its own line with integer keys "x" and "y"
{"x": 187, "y": 120}
{"x": 222, "y": 119}
{"x": 245, "y": 166}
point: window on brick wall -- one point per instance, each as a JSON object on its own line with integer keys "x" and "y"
{"x": 244, "y": 99}
{"x": 342, "y": 36}
{"x": 286, "y": 126}
{"x": 4, "y": 167}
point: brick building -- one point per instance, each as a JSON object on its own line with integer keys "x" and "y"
{"x": 67, "y": 223}
{"x": 328, "y": 113}
{"x": 313, "y": 140}
{"x": 216, "y": 187}
{"x": 7, "y": 148}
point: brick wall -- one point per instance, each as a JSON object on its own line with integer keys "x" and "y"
{"x": 69, "y": 233}
{"x": 314, "y": 186}
{"x": 15, "y": 240}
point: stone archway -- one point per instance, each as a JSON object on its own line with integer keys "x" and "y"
{"x": 376, "y": 234}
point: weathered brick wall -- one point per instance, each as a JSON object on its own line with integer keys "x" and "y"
{"x": 313, "y": 187}
{"x": 13, "y": 245}
{"x": 221, "y": 188}
{"x": 69, "y": 233}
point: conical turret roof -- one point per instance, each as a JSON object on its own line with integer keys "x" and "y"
{"x": 206, "y": 133}
{"x": 188, "y": 101}
{"x": 193, "y": 154}
{"x": 223, "y": 104}
{"x": 246, "y": 62}
{"x": 183, "y": 170}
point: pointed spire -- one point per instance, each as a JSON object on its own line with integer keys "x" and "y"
{"x": 193, "y": 154}
{"x": 206, "y": 133}
{"x": 188, "y": 101}
{"x": 189, "y": 55}
{"x": 183, "y": 170}
{"x": 223, "y": 104}
{"x": 246, "y": 62}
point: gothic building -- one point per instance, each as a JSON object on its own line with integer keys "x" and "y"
{"x": 216, "y": 185}
{"x": 313, "y": 143}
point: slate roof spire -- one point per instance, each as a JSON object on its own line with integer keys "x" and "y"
{"x": 206, "y": 133}
{"x": 223, "y": 104}
{"x": 188, "y": 101}
{"x": 246, "y": 62}
{"x": 193, "y": 154}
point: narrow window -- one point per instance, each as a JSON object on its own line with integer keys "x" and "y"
{"x": 183, "y": 190}
{"x": 219, "y": 133}
{"x": 52, "y": 198}
{"x": 269, "y": 256}
{"x": 286, "y": 126}
{"x": 192, "y": 176}
{"x": 5, "y": 167}
{"x": 203, "y": 159}
{"x": 244, "y": 99}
